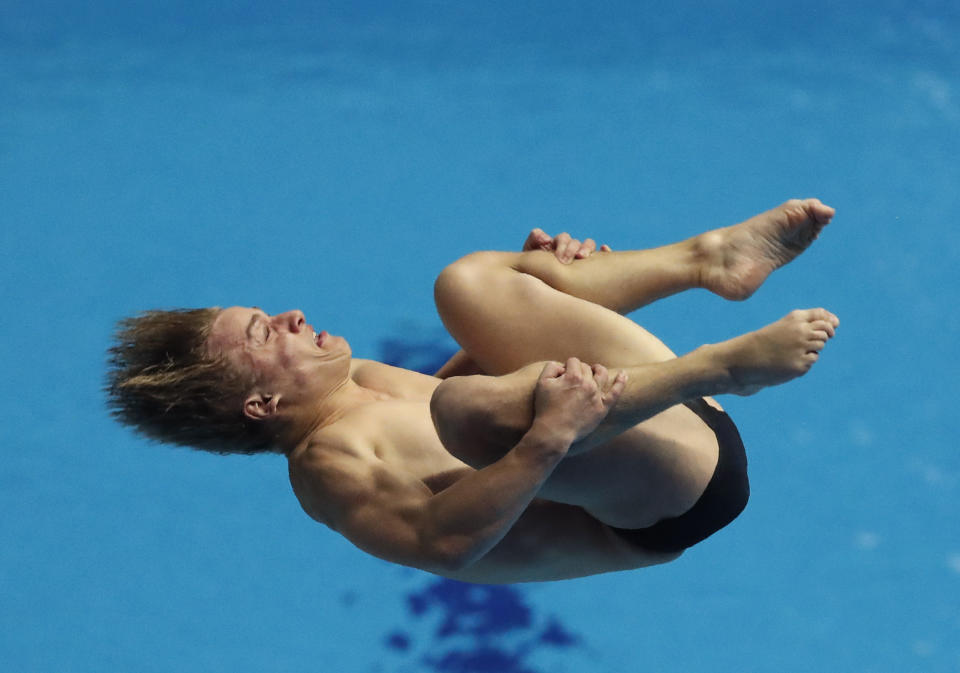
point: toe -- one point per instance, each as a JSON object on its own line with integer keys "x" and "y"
{"x": 817, "y": 314}
{"x": 825, "y": 327}
{"x": 831, "y": 318}
{"x": 821, "y": 212}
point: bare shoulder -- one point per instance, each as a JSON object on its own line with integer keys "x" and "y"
{"x": 331, "y": 469}
{"x": 377, "y": 505}
{"x": 314, "y": 476}
{"x": 395, "y": 381}
{"x": 340, "y": 471}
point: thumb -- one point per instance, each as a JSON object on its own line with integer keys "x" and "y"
{"x": 552, "y": 370}
{"x": 537, "y": 239}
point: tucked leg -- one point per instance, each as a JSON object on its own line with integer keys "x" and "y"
{"x": 508, "y": 310}
{"x": 644, "y": 464}
{"x": 639, "y": 466}
{"x": 505, "y": 319}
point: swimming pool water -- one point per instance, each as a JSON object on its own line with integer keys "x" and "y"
{"x": 334, "y": 157}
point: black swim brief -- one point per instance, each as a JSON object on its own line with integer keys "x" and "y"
{"x": 721, "y": 502}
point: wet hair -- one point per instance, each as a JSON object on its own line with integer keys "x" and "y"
{"x": 162, "y": 382}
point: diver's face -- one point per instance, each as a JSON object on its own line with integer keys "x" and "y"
{"x": 281, "y": 354}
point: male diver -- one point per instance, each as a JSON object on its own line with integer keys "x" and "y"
{"x": 564, "y": 439}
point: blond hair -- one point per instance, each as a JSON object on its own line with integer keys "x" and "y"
{"x": 162, "y": 382}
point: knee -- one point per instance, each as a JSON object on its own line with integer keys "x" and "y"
{"x": 467, "y": 268}
{"x": 457, "y": 409}
{"x": 476, "y": 415}
{"x": 463, "y": 401}
{"x": 444, "y": 407}
{"x": 467, "y": 275}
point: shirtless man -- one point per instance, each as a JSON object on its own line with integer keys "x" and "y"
{"x": 518, "y": 461}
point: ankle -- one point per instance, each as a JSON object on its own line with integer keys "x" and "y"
{"x": 706, "y": 253}
{"x": 714, "y": 363}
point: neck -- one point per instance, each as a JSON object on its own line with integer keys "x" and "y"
{"x": 300, "y": 422}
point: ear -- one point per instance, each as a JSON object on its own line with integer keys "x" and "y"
{"x": 260, "y": 407}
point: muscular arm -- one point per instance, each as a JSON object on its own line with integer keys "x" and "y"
{"x": 391, "y": 514}
{"x": 394, "y": 516}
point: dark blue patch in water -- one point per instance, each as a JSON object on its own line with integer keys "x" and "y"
{"x": 479, "y": 660}
{"x": 425, "y": 356}
{"x": 483, "y": 628}
{"x": 555, "y": 634}
{"x": 398, "y": 641}
{"x": 476, "y": 610}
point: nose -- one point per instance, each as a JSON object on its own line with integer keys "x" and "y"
{"x": 292, "y": 320}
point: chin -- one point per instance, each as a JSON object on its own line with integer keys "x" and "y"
{"x": 338, "y": 347}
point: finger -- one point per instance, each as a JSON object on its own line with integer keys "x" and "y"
{"x": 531, "y": 242}
{"x": 573, "y": 246}
{"x": 574, "y": 371}
{"x": 616, "y": 390}
{"x": 587, "y": 248}
{"x": 601, "y": 375}
{"x": 537, "y": 239}
{"x": 560, "y": 242}
{"x": 552, "y": 370}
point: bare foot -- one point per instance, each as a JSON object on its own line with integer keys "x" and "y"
{"x": 736, "y": 260}
{"x": 779, "y": 352}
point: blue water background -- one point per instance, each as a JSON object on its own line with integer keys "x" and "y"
{"x": 334, "y": 157}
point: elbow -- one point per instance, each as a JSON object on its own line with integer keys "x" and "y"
{"x": 447, "y": 553}
{"x": 455, "y": 564}
{"x": 451, "y": 556}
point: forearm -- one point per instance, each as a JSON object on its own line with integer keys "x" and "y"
{"x": 471, "y": 516}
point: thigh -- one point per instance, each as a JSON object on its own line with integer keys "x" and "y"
{"x": 655, "y": 470}
{"x": 552, "y": 541}
{"x": 505, "y": 319}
